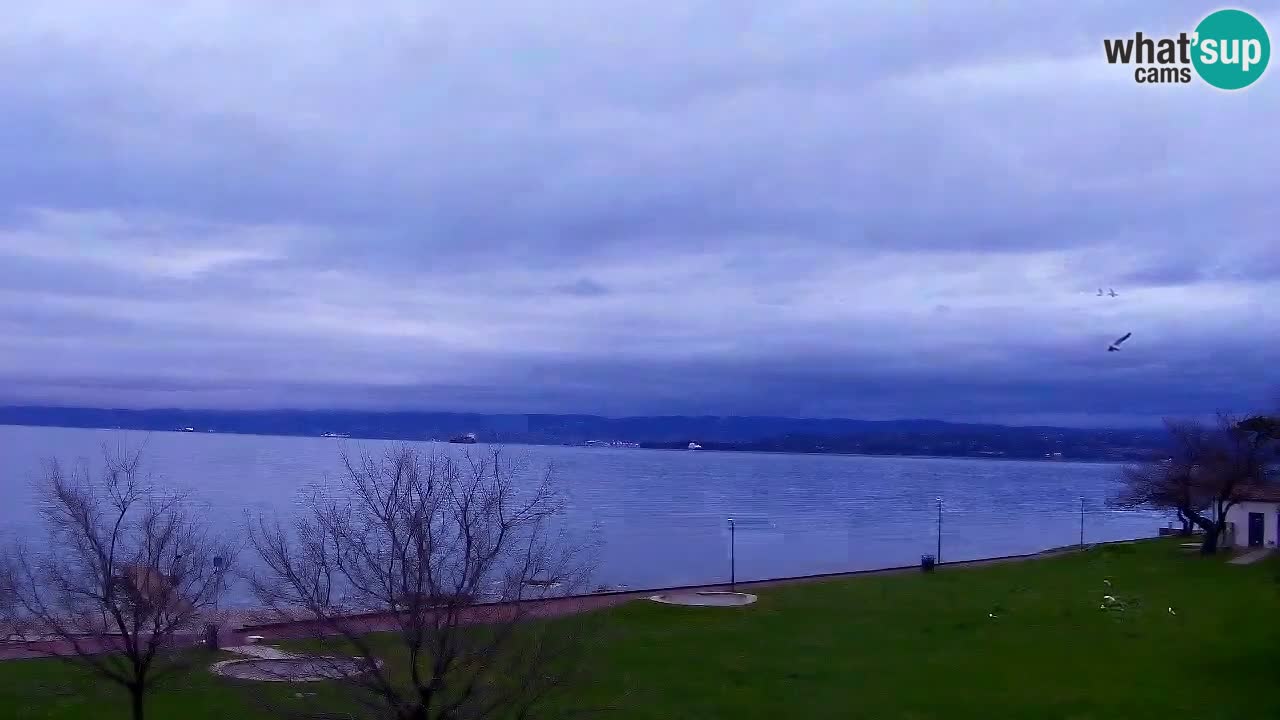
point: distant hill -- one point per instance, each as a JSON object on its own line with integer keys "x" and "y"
{"x": 954, "y": 440}
{"x": 767, "y": 434}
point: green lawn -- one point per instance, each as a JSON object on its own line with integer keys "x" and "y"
{"x": 907, "y": 647}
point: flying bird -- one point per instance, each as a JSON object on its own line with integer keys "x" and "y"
{"x": 1111, "y": 292}
{"x": 1115, "y": 346}
{"x": 1099, "y": 292}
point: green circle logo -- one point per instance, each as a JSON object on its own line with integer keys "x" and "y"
{"x": 1231, "y": 49}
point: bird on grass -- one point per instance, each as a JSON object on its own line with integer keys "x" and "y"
{"x": 1115, "y": 346}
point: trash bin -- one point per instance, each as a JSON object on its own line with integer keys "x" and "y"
{"x": 927, "y": 562}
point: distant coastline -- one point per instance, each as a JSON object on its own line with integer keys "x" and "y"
{"x": 625, "y": 446}
{"x": 891, "y": 438}
{"x": 917, "y": 456}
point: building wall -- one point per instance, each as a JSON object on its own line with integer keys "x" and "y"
{"x": 1239, "y": 516}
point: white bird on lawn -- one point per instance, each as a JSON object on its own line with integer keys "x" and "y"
{"x": 1171, "y": 612}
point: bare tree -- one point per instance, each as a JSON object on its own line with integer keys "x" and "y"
{"x": 1240, "y": 456}
{"x": 1203, "y": 472}
{"x": 125, "y": 578}
{"x": 10, "y": 621}
{"x": 1166, "y": 480}
{"x": 1264, "y": 426}
{"x": 449, "y": 556}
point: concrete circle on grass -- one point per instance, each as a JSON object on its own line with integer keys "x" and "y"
{"x": 298, "y": 669}
{"x": 705, "y": 598}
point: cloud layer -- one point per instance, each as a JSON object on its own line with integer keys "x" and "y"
{"x": 811, "y": 208}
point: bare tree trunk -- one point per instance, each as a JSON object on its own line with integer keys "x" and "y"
{"x": 1212, "y": 531}
{"x": 1182, "y": 522}
{"x": 1187, "y": 525}
{"x": 137, "y": 693}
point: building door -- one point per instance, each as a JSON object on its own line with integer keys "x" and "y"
{"x": 1257, "y": 527}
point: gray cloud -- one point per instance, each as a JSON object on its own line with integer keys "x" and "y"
{"x": 629, "y": 208}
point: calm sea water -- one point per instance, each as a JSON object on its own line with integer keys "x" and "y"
{"x": 662, "y": 515}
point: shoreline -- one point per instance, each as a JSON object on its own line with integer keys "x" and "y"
{"x": 1077, "y": 461}
{"x": 1080, "y": 461}
{"x": 255, "y": 621}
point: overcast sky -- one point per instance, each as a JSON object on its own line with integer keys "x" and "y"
{"x": 857, "y": 209}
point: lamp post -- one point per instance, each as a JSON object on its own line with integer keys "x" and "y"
{"x": 1081, "y": 522}
{"x": 220, "y": 571}
{"x": 211, "y": 628}
{"x": 938, "y": 557}
{"x": 732, "y": 556}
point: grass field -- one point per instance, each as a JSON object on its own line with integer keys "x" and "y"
{"x": 909, "y": 646}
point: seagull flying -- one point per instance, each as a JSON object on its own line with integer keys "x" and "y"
{"x": 1099, "y": 292}
{"x": 1111, "y": 292}
{"x": 1115, "y": 346}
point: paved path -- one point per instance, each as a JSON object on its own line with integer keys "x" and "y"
{"x": 559, "y": 606}
{"x": 1250, "y": 557}
{"x": 264, "y": 652}
{"x": 241, "y": 626}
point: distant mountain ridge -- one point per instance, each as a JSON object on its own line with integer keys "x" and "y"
{"x": 759, "y": 433}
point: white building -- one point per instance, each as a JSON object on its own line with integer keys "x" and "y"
{"x": 1255, "y": 519}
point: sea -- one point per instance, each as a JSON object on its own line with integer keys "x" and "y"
{"x": 658, "y": 518}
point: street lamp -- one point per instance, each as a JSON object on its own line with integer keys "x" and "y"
{"x": 219, "y": 571}
{"x": 1081, "y": 522}
{"x": 211, "y": 628}
{"x": 732, "y": 556}
{"x": 938, "y": 557}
